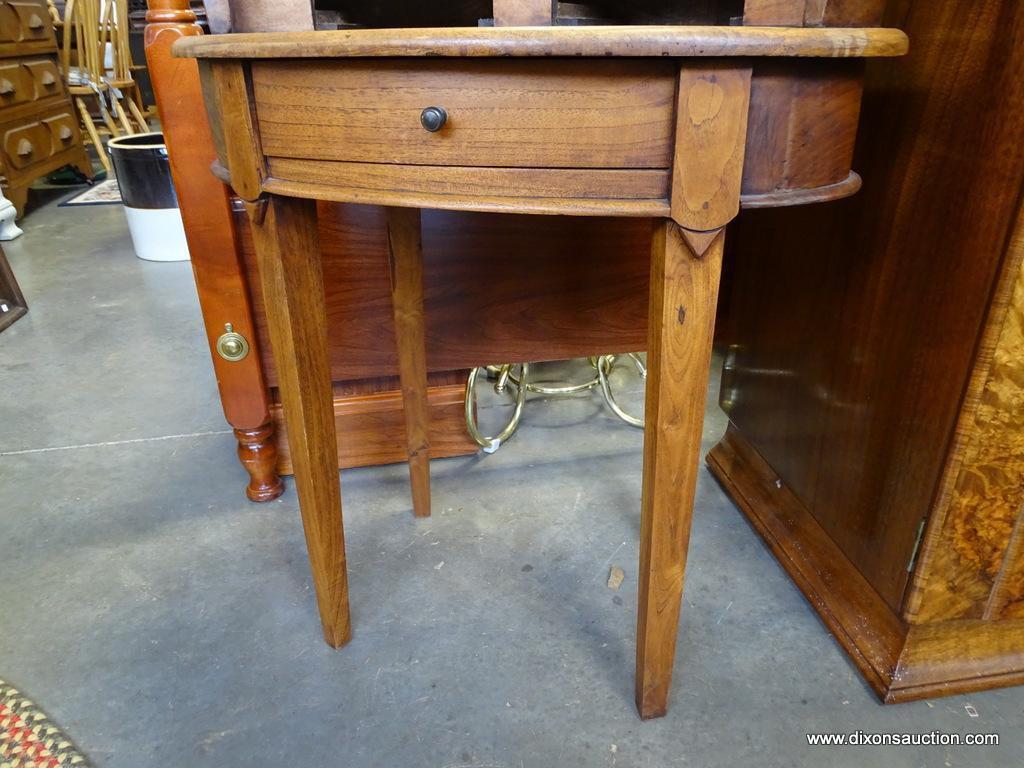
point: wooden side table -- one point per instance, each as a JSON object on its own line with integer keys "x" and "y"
{"x": 655, "y": 122}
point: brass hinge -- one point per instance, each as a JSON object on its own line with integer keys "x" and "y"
{"x": 917, "y": 546}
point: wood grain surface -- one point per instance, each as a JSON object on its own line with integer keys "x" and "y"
{"x": 710, "y": 146}
{"x": 857, "y": 417}
{"x": 293, "y": 293}
{"x": 455, "y": 183}
{"x": 526, "y": 287}
{"x": 975, "y": 566}
{"x": 524, "y": 13}
{"x": 369, "y": 427}
{"x": 209, "y": 224}
{"x": 405, "y": 250}
{"x": 592, "y": 114}
{"x": 657, "y": 41}
{"x": 684, "y": 293}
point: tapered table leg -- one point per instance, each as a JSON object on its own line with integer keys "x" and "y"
{"x": 406, "y": 251}
{"x": 288, "y": 254}
{"x": 684, "y": 292}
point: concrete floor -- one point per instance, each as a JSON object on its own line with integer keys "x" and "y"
{"x": 163, "y": 620}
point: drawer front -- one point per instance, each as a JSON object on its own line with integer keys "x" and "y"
{"x": 64, "y": 132}
{"x": 16, "y": 85}
{"x": 500, "y": 113}
{"x": 27, "y": 143}
{"x": 24, "y": 21}
{"x": 45, "y": 77}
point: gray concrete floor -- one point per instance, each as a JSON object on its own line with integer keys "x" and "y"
{"x": 163, "y": 620}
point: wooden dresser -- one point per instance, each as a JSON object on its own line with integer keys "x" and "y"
{"x": 38, "y": 127}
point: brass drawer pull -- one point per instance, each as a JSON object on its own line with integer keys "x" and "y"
{"x": 232, "y": 346}
{"x": 48, "y": 78}
{"x": 6, "y": 87}
{"x": 34, "y": 22}
{"x": 65, "y": 133}
{"x": 433, "y": 118}
{"x": 25, "y": 148}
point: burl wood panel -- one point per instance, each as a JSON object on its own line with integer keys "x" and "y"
{"x": 855, "y": 324}
{"x": 974, "y": 567}
{"x": 569, "y": 287}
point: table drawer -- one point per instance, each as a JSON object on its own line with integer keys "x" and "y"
{"x": 500, "y": 113}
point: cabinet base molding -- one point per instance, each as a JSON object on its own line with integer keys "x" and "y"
{"x": 901, "y": 662}
{"x": 371, "y": 428}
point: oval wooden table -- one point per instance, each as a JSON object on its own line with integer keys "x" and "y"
{"x": 682, "y": 125}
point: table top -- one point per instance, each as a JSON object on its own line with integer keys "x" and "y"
{"x": 597, "y": 42}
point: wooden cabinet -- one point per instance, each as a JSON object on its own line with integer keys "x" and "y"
{"x": 874, "y": 370}
{"x": 39, "y": 131}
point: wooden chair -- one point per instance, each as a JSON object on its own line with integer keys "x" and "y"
{"x": 85, "y": 73}
{"x": 125, "y": 91}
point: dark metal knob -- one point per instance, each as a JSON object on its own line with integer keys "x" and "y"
{"x": 433, "y": 118}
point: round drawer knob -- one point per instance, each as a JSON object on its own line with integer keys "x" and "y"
{"x": 433, "y": 118}
{"x": 65, "y": 133}
{"x": 25, "y": 148}
{"x": 34, "y": 22}
{"x": 6, "y": 87}
{"x": 48, "y": 78}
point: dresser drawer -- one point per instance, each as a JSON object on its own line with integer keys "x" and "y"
{"x": 63, "y": 129}
{"x": 38, "y": 138}
{"x": 498, "y": 112}
{"x": 16, "y": 84}
{"x": 24, "y": 21}
{"x": 45, "y": 77}
{"x": 26, "y": 144}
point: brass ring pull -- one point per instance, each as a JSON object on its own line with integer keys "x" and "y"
{"x": 232, "y": 346}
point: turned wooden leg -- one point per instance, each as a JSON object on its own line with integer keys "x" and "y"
{"x": 258, "y": 453}
{"x": 288, "y": 255}
{"x": 406, "y": 251}
{"x": 684, "y": 292}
